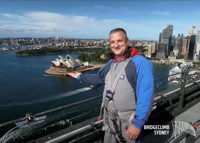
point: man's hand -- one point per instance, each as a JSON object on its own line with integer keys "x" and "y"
{"x": 133, "y": 132}
{"x": 74, "y": 74}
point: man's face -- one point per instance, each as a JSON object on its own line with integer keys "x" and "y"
{"x": 118, "y": 43}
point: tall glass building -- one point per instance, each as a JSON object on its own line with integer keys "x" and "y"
{"x": 197, "y": 47}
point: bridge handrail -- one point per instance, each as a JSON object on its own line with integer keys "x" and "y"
{"x": 165, "y": 95}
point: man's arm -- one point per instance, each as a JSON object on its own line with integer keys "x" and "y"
{"x": 144, "y": 95}
{"x": 144, "y": 91}
{"x": 92, "y": 79}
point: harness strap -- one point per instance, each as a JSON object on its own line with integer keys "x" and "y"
{"x": 113, "y": 85}
{"x": 109, "y": 99}
{"x": 119, "y": 136}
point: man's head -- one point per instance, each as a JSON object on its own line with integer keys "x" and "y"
{"x": 119, "y": 41}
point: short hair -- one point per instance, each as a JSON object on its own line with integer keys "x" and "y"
{"x": 118, "y": 30}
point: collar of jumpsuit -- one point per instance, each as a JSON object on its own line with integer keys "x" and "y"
{"x": 133, "y": 53}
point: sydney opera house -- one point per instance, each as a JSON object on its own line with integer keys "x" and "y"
{"x": 61, "y": 66}
{"x": 68, "y": 62}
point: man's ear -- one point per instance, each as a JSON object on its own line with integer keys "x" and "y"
{"x": 128, "y": 42}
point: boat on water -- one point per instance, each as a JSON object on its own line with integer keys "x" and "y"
{"x": 176, "y": 72}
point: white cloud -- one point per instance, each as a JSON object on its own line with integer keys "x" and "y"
{"x": 44, "y": 16}
{"x": 64, "y": 25}
{"x": 11, "y": 16}
{"x": 45, "y": 24}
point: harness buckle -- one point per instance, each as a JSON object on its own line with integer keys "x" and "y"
{"x": 112, "y": 117}
{"x": 109, "y": 93}
{"x": 120, "y": 139}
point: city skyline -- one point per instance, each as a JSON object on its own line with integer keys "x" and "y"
{"x": 90, "y": 19}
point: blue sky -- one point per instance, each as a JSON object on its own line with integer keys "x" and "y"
{"x": 143, "y": 20}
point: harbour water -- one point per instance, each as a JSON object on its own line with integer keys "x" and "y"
{"x": 25, "y": 88}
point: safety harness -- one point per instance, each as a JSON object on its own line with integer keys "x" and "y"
{"x": 110, "y": 107}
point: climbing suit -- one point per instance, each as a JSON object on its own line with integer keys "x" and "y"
{"x": 116, "y": 120}
{"x": 135, "y": 85}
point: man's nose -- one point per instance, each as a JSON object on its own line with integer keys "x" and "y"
{"x": 116, "y": 44}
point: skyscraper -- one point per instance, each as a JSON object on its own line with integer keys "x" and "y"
{"x": 192, "y": 31}
{"x": 185, "y": 47}
{"x": 178, "y": 43}
{"x": 192, "y": 47}
{"x": 166, "y": 38}
{"x": 197, "y": 47}
{"x": 167, "y": 32}
{"x": 161, "y": 54}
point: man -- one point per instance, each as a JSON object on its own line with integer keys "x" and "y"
{"x": 127, "y": 96}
